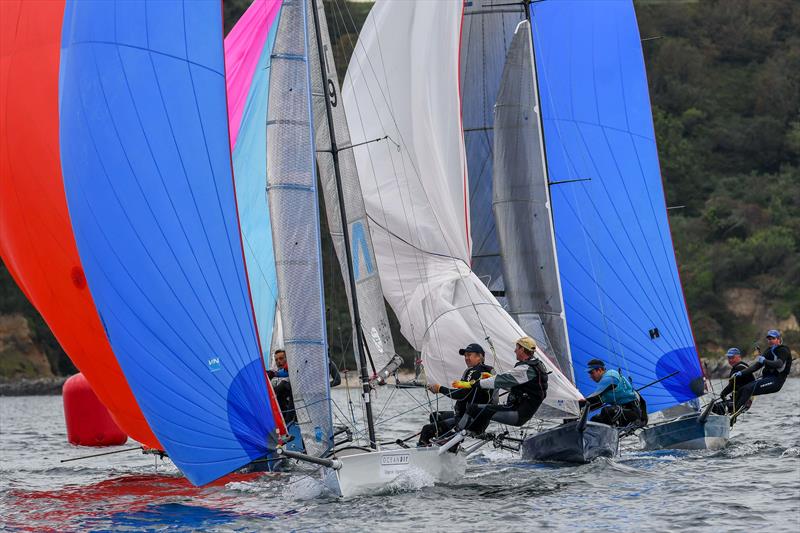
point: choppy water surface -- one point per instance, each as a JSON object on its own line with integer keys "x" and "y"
{"x": 753, "y": 483}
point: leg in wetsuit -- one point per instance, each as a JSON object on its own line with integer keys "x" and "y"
{"x": 767, "y": 385}
{"x": 478, "y": 417}
{"x": 619, "y": 415}
{"x": 441, "y": 423}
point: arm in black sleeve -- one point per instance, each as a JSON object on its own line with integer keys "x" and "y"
{"x": 455, "y": 394}
{"x": 752, "y": 369}
{"x": 728, "y": 388}
{"x": 336, "y": 378}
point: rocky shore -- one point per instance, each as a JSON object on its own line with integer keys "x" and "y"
{"x": 32, "y": 387}
{"x": 719, "y": 369}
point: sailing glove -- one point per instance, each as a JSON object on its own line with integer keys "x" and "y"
{"x": 761, "y": 359}
{"x": 485, "y": 375}
{"x": 738, "y": 374}
{"x": 462, "y": 384}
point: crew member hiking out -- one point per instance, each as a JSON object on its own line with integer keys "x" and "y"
{"x": 620, "y": 403}
{"x": 526, "y": 384}
{"x": 735, "y": 384}
{"x": 443, "y": 421}
{"x": 774, "y": 363}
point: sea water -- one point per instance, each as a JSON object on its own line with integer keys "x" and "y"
{"x": 754, "y": 483}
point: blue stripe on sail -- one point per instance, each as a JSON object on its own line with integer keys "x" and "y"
{"x": 250, "y": 174}
{"x": 146, "y": 164}
{"x": 616, "y": 260}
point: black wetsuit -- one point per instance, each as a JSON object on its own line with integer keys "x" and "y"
{"x": 443, "y": 421}
{"x": 527, "y": 388}
{"x": 736, "y": 384}
{"x": 776, "y": 366}
{"x": 283, "y": 392}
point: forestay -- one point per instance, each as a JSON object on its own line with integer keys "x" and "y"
{"x": 403, "y": 81}
{"x": 146, "y": 161}
{"x": 521, "y": 203}
{"x": 293, "y": 203}
{"x": 620, "y": 281}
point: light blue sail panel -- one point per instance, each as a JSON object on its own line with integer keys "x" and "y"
{"x": 250, "y": 171}
{"x": 147, "y": 172}
{"x": 623, "y": 298}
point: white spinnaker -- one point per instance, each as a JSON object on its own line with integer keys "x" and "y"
{"x": 403, "y": 81}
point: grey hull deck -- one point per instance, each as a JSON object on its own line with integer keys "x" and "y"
{"x": 688, "y": 433}
{"x": 566, "y": 443}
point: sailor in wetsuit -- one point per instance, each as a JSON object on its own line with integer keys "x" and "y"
{"x": 527, "y": 388}
{"x": 443, "y": 421}
{"x": 283, "y": 389}
{"x": 735, "y": 383}
{"x": 280, "y": 384}
{"x": 776, "y": 361}
{"x": 620, "y": 402}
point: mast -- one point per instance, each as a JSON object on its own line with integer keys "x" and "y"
{"x": 357, "y": 330}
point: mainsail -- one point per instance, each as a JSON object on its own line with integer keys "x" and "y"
{"x": 622, "y": 293}
{"x": 372, "y": 311}
{"x": 521, "y": 202}
{"x": 403, "y": 81}
{"x": 145, "y": 152}
{"x": 36, "y": 240}
{"x": 293, "y": 202}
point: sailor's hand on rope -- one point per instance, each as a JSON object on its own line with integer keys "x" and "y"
{"x": 462, "y": 384}
{"x": 434, "y": 388}
{"x": 737, "y": 375}
{"x": 761, "y": 359}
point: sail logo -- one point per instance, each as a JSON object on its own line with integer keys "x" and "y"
{"x": 363, "y": 262}
{"x": 395, "y": 459}
{"x": 214, "y": 365}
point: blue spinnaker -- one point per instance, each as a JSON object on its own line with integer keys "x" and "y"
{"x": 147, "y": 172}
{"x": 622, "y": 294}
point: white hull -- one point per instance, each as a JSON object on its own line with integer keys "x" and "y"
{"x": 365, "y": 473}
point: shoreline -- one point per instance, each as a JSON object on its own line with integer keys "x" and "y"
{"x": 51, "y": 386}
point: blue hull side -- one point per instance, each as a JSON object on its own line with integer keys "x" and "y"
{"x": 687, "y": 433}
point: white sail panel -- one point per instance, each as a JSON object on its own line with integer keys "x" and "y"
{"x": 372, "y": 310}
{"x": 294, "y": 209}
{"x": 403, "y": 81}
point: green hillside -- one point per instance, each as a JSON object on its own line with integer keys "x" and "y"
{"x": 724, "y": 81}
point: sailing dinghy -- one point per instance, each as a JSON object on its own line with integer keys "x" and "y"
{"x": 307, "y": 133}
{"x": 417, "y": 188}
{"x": 623, "y": 298}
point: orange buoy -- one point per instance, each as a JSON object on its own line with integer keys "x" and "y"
{"x": 88, "y": 421}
